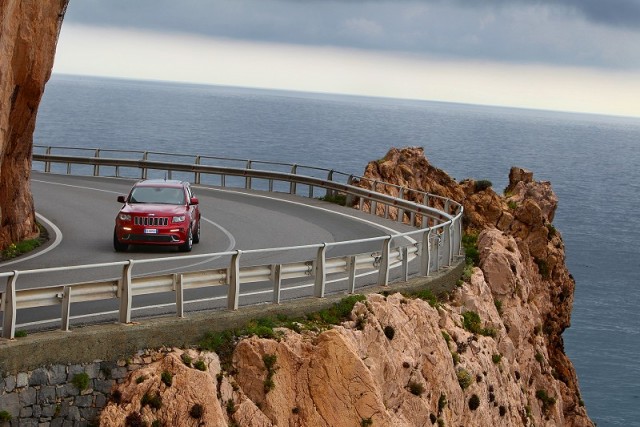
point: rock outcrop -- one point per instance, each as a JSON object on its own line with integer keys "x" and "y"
{"x": 28, "y": 36}
{"x": 488, "y": 354}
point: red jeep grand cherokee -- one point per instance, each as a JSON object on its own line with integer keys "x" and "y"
{"x": 158, "y": 212}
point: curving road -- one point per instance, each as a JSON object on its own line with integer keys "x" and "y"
{"x": 80, "y": 213}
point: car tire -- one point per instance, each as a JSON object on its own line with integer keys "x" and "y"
{"x": 119, "y": 247}
{"x": 188, "y": 244}
{"x": 196, "y": 236}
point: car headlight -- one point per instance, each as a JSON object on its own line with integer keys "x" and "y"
{"x": 179, "y": 218}
{"x": 124, "y": 217}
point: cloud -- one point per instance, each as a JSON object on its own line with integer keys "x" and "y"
{"x": 567, "y": 32}
{"x": 113, "y": 52}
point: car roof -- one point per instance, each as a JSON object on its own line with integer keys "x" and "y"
{"x": 161, "y": 183}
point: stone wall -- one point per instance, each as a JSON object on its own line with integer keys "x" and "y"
{"x": 49, "y": 397}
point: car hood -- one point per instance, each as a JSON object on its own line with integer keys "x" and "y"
{"x": 155, "y": 209}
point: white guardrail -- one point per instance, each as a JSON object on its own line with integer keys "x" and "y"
{"x": 434, "y": 243}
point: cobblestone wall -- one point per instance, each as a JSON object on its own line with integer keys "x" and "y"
{"x": 50, "y": 397}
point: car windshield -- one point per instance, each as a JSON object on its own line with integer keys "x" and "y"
{"x": 163, "y": 195}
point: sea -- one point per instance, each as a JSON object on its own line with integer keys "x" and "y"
{"x": 592, "y": 162}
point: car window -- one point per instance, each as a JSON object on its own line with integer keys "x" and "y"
{"x": 162, "y": 195}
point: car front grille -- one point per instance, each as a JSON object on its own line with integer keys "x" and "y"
{"x": 151, "y": 238}
{"x": 150, "y": 221}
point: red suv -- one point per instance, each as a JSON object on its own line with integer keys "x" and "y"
{"x": 158, "y": 212}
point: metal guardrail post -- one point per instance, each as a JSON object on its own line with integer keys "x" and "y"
{"x": 125, "y": 293}
{"x": 145, "y": 156}
{"x": 47, "y": 164}
{"x": 437, "y": 257}
{"x": 400, "y": 211}
{"x": 292, "y": 184}
{"x": 450, "y": 244}
{"x": 320, "y": 272}
{"x": 276, "y": 278}
{"x": 349, "y": 198}
{"x": 96, "y": 167}
{"x": 66, "y": 308}
{"x": 196, "y": 177}
{"x": 351, "y": 268}
{"x": 404, "y": 254}
{"x": 247, "y": 180}
{"x": 179, "y": 287}
{"x": 330, "y": 193}
{"x": 383, "y": 270}
{"x": 233, "y": 297}
{"x": 9, "y": 302}
{"x": 425, "y": 256}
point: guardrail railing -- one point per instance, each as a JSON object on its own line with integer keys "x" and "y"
{"x": 433, "y": 245}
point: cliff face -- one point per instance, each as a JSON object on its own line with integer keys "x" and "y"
{"x": 489, "y": 354}
{"x": 28, "y": 36}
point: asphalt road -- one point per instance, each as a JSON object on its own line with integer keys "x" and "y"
{"x": 80, "y": 212}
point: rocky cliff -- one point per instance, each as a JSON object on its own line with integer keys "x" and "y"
{"x": 28, "y": 35}
{"x": 489, "y": 353}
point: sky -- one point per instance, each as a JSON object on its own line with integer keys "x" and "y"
{"x": 565, "y": 55}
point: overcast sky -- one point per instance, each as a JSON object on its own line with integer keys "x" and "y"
{"x": 575, "y": 55}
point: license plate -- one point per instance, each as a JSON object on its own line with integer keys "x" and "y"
{"x": 150, "y": 231}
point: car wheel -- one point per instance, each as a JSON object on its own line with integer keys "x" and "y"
{"x": 119, "y": 247}
{"x": 196, "y": 237}
{"x": 188, "y": 244}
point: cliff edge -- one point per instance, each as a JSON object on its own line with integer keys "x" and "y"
{"x": 28, "y": 36}
{"x": 489, "y": 353}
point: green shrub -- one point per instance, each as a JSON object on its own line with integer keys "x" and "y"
{"x": 186, "y": 359}
{"x": 474, "y": 402}
{"x": 428, "y": 296}
{"x": 472, "y": 323}
{"x": 543, "y": 268}
{"x": 231, "y": 407}
{"x": 157, "y": 423}
{"x": 5, "y": 416}
{"x": 17, "y": 249}
{"x": 269, "y": 361}
{"x": 141, "y": 379}
{"x": 196, "y": 411}
{"x": 153, "y": 400}
{"x": 552, "y": 230}
{"x": 470, "y": 244}
{"x": 166, "y": 378}
{"x": 547, "y": 401}
{"x": 81, "y": 381}
{"x": 464, "y": 378}
{"x": 389, "y": 332}
{"x": 20, "y": 334}
{"x": 512, "y": 205}
{"x": 446, "y": 337}
{"x": 416, "y": 388}
{"x": 496, "y": 358}
{"x": 456, "y": 358}
{"x": 200, "y": 365}
{"x": 366, "y": 422}
{"x": 339, "y": 312}
{"x": 498, "y": 304}
{"x": 539, "y": 358}
{"x": 442, "y": 403}
{"x": 482, "y": 185}
{"x": 134, "y": 419}
{"x": 337, "y": 198}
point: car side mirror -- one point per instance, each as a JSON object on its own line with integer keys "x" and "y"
{"x": 121, "y": 199}
{"x": 194, "y": 201}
